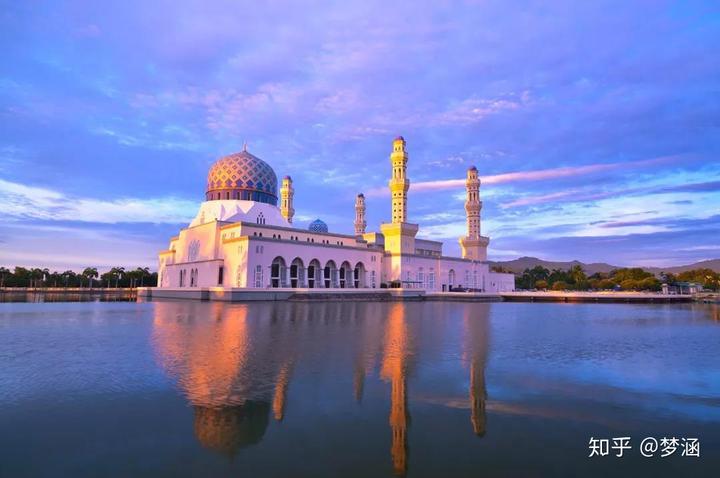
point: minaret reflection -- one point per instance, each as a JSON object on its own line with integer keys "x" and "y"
{"x": 394, "y": 369}
{"x": 230, "y": 367}
{"x": 476, "y": 344}
{"x": 281, "y": 388}
{"x": 367, "y": 317}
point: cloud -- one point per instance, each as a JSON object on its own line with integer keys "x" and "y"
{"x": 138, "y": 107}
{"x": 77, "y": 246}
{"x": 538, "y": 175}
{"x": 574, "y": 195}
{"x": 29, "y": 202}
{"x": 447, "y": 162}
{"x": 474, "y": 109}
{"x": 660, "y": 249}
{"x": 671, "y": 223}
{"x": 709, "y": 186}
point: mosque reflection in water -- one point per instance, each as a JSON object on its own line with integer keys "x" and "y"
{"x": 235, "y": 366}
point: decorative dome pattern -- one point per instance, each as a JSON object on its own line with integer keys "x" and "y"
{"x": 242, "y": 176}
{"x": 318, "y": 226}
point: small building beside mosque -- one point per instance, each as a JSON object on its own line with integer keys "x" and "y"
{"x": 243, "y": 237}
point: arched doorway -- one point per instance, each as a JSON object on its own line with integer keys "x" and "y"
{"x": 451, "y": 278}
{"x": 329, "y": 274}
{"x": 278, "y": 272}
{"x": 313, "y": 274}
{"x": 297, "y": 273}
{"x": 359, "y": 275}
{"x": 345, "y": 275}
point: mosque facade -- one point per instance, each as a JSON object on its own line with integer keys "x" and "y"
{"x": 242, "y": 238}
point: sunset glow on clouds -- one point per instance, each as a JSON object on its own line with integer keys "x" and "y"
{"x": 593, "y": 124}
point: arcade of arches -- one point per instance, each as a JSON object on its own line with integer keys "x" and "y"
{"x": 315, "y": 275}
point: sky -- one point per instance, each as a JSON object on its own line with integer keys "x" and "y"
{"x": 595, "y": 126}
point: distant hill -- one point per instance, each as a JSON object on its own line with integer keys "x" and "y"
{"x": 517, "y": 266}
{"x": 713, "y": 264}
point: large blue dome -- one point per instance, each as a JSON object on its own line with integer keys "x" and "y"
{"x": 318, "y": 226}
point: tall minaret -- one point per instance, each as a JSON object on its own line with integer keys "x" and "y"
{"x": 360, "y": 223}
{"x": 286, "y": 199}
{"x": 399, "y": 183}
{"x": 473, "y": 204}
{"x": 399, "y": 234}
{"x": 474, "y": 246}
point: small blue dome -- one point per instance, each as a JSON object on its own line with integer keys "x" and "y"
{"x": 318, "y": 226}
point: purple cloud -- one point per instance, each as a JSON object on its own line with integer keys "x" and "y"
{"x": 134, "y": 100}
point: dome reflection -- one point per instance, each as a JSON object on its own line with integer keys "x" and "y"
{"x": 228, "y": 368}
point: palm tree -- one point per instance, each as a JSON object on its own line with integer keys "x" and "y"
{"x": 118, "y": 272}
{"x": 35, "y": 276}
{"x": 577, "y": 273}
{"x": 89, "y": 273}
{"x": 54, "y": 276}
{"x": 22, "y": 276}
{"x": 3, "y": 272}
{"x": 142, "y": 272}
{"x": 107, "y": 277}
{"x": 67, "y": 275}
{"x": 131, "y": 277}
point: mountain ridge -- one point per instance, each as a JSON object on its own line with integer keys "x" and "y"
{"x": 518, "y": 265}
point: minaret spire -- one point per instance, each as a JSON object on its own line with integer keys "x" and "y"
{"x": 399, "y": 235}
{"x": 286, "y": 199}
{"x": 360, "y": 223}
{"x": 399, "y": 183}
{"x": 474, "y": 246}
{"x": 473, "y": 204}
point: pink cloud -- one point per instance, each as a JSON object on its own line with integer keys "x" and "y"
{"x": 538, "y": 175}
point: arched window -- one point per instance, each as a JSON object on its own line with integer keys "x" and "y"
{"x": 193, "y": 250}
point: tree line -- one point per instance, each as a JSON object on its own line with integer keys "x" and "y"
{"x": 89, "y": 277}
{"x": 628, "y": 278}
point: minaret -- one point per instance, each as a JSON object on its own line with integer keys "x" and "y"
{"x": 474, "y": 246}
{"x": 360, "y": 223}
{"x": 399, "y": 183}
{"x": 473, "y": 204}
{"x": 286, "y": 199}
{"x": 399, "y": 235}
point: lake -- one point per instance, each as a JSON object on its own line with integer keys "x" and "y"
{"x": 418, "y": 389}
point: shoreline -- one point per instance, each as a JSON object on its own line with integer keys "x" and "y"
{"x": 231, "y": 294}
{"x": 227, "y": 294}
{"x": 67, "y": 290}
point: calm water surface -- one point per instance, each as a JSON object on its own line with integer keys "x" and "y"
{"x": 354, "y": 389}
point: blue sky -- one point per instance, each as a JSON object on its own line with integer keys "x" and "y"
{"x": 595, "y": 125}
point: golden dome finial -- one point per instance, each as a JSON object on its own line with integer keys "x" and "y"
{"x": 245, "y": 146}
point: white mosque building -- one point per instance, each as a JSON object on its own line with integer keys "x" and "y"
{"x": 241, "y": 239}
